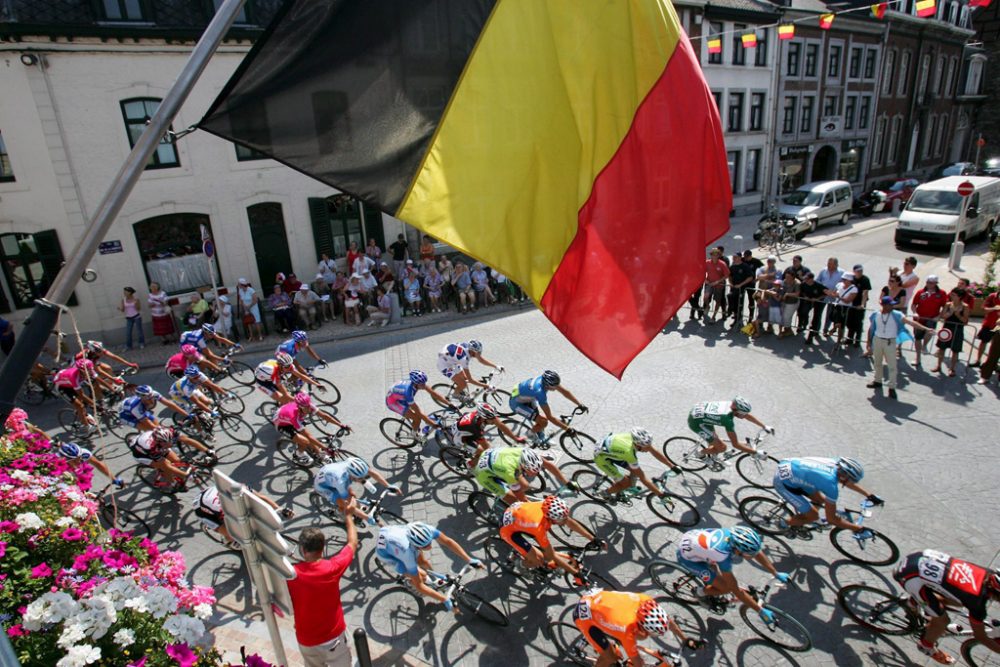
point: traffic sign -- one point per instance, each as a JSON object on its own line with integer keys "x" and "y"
{"x": 965, "y": 188}
{"x": 980, "y": 142}
{"x": 208, "y": 248}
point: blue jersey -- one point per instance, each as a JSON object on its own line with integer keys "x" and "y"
{"x": 394, "y": 548}
{"x": 333, "y": 481}
{"x": 184, "y": 387}
{"x": 809, "y": 475}
{"x": 133, "y": 410}
{"x": 707, "y": 546}
{"x": 288, "y": 347}
{"x": 531, "y": 391}
{"x": 195, "y": 337}
{"x": 456, "y": 352}
{"x": 406, "y": 389}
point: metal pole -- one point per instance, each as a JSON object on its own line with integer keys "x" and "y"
{"x": 361, "y": 647}
{"x": 39, "y": 324}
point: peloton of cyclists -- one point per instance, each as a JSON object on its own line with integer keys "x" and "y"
{"x": 155, "y": 449}
{"x": 617, "y": 457}
{"x": 503, "y": 471}
{"x": 270, "y": 374}
{"x": 469, "y": 431}
{"x": 297, "y": 343}
{"x": 199, "y": 338}
{"x": 137, "y": 410}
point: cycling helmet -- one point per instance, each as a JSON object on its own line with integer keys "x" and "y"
{"x": 192, "y": 371}
{"x": 530, "y": 461}
{"x": 550, "y": 379}
{"x": 189, "y": 350}
{"x": 420, "y": 534}
{"x": 741, "y": 404}
{"x": 486, "y": 411}
{"x": 357, "y": 468}
{"x": 71, "y": 450}
{"x": 300, "y": 336}
{"x": 641, "y": 436}
{"x": 418, "y": 377}
{"x": 652, "y": 618}
{"x": 208, "y": 328}
{"x": 475, "y": 346}
{"x": 95, "y": 345}
{"x": 144, "y": 391}
{"x": 303, "y": 400}
{"x": 284, "y": 359}
{"x": 163, "y": 435}
{"x": 555, "y": 509}
{"x": 85, "y": 365}
{"x": 851, "y": 467}
{"x": 746, "y": 540}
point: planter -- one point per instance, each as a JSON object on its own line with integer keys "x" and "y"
{"x": 977, "y": 308}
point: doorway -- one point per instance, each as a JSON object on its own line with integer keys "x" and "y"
{"x": 270, "y": 244}
{"x": 825, "y": 164}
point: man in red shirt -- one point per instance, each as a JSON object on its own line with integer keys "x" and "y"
{"x": 926, "y": 306}
{"x": 991, "y": 306}
{"x": 716, "y": 274}
{"x": 315, "y": 591}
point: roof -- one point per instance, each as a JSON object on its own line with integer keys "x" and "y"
{"x": 952, "y": 182}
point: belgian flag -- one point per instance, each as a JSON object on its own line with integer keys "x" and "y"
{"x": 571, "y": 144}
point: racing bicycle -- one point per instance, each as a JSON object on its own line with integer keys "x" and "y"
{"x": 237, "y": 370}
{"x": 578, "y": 445}
{"x": 453, "y": 588}
{"x": 305, "y": 458}
{"x": 511, "y": 562}
{"x": 674, "y": 510}
{"x": 399, "y": 432}
{"x": 756, "y": 469}
{"x": 473, "y": 395}
{"x": 326, "y": 394}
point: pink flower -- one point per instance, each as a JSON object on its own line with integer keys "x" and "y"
{"x": 181, "y": 653}
{"x": 3, "y": 549}
{"x": 41, "y": 571}
{"x": 118, "y": 560}
{"x": 257, "y": 661}
{"x": 138, "y": 663}
{"x": 74, "y": 535}
{"x": 16, "y": 631}
{"x": 8, "y": 527}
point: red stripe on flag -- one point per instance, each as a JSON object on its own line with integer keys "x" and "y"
{"x": 639, "y": 250}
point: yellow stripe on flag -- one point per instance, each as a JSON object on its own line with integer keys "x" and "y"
{"x": 545, "y": 100}
{"x": 926, "y": 8}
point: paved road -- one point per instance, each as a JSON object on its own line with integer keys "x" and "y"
{"x": 930, "y": 455}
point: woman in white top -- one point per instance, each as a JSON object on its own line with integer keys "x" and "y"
{"x": 223, "y": 317}
{"x": 328, "y": 269}
{"x": 163, "y": 317}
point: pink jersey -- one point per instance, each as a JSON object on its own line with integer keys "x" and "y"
{"x": 288, "y": 415}
{"x": 178, "y": 362}
{"x": 70, "y": 378}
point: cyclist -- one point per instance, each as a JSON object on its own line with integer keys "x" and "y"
{"x": 808, "y": 482}
{"x": 188, "y": 390}
{"x": 706, "y": 416}
{"x": 298, "y": 342}
{"x": 155, "y": 449}
{"x": 406, "y": 547}
{"x": 503, "y": 471}
{"x": 468, "y": 431}
{"x": 531, "y": 395}
{"x": 208, "y": 509}
{"x": 74, "y": 452}
{"x": 137, "y": 411}
{"x": 270, "y": 374}
{"x": 94, "y": 350}
{"x": 334, "y": 482}
{"x": 534, "y": 519}
{"x": 453, "y": 362}
{"x": 617, "y": 454}
{"x": 937, "y": 581}
{"x": 608, "y": 619}
{"x": 69, "y": 381}
{"x": 402, "y": 400}
{"x": 288, "y": 421}
{"x": 708, "y": 555}
{"x": 188, "y": 356}
{"x": 198, "y": 339}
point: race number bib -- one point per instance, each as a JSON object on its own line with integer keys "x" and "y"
{"x": 698, "y": 412}
{"x": 381, "y": 544}
{"x": 583, "y": 610}
{"x": 508, "y": 515}
{"x": 784, "y": 471}
{"x": 932, "y": 566}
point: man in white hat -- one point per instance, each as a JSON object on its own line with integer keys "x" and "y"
{"x": 306, "y": 303}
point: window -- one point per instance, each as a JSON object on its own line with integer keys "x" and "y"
{"x": 833, "y": 61}
{"x": 938, "y": 75}
{"x": 30, "y": 264}
{"x": 735, "y": 112}
{"x": 733, "y": 158}
{"x": 850, "y": 106}
{"x": 760, "y": 53}
{"x": 739, "y": 53}
{"x": 864, "y": 112}
{"x": 751, "y": 176}
{"x": 244, "y": 154}
{"x": 930, "y": 136}
{"x": 123, "y": 10}
{"x": 942, "y": 137}
{"x": 756, "y": 112}
{"x": 715, "y": 32}
{"x": 904, "y": 74}
{"x": 788, "y": 119}
{"x": 250, "y": 122}
{"x": 974, "y": 78}
{"x": 871, "y": 56}
{"x": 925, "y": 73}
{"x": 717, "y": 96}
{"x": 241, "y": 17}
{"x": 6, "y": 172}
{"x": 170, "y": 249}
{"x": 812, "y": 56}
{"x": 893, "y": 155}
{"x": 794, "y": 59}
{"x": 831, "y": 104}
{"x": 849, "y": 170}
{"x": 806, "y": 126}
{"x": 855, "y": 66}
{"x": 949, "y": 86}
{"x": 878, "y": 141}
{"x": 137, "y": 113}
{"x": 887, "y": 73}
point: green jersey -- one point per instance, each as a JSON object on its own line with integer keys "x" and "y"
{"x": 504, "y": 462}
{"x": 619, "y": 447}
{"x": 713, "y": 413}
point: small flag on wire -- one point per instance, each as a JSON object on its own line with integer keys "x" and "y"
{"x": 715, "y": 45}
{"x": 926, "y": 8}
{"x": 749, "y": 40}
{"x": 786, "y": 31}
{"x": 878, "y": 10}
{"x": 826, "y": 20}
{"x": 980, "y": 3}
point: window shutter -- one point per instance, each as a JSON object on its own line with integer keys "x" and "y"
{"x": 319, "y": 213}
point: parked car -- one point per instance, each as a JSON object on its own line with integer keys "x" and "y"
{"x": 953, "y": 169}
{"x": 815, "y": 204}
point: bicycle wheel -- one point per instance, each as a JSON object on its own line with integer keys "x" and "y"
{"x": 322, "y": 425}
{"x": 787, "y": 239}
{"x": 499, "y": 399}
{"x": 326, "y": 393}
{"x": 757, "y": 472}
{"x": 487, "y": 507}
{"x": 768, "y": 515}
{"x": 683, "y": 451}
{"x": 876, "y": 550}
{"x": 72, "y": 427}
{"x": 473, "y": 603}
{"x": 390, "y": 518}
{"x": 578, "y": 446}
{"x": 119, "y": 518}
{"x": 518, "y": 427}
{"x": 592, "y": 483}
{"x": 297, "y": 457}
{"x": 113, "y": 423}
{"x": 240, "y": 372}
{"x": 785, "y": 631}
{"x": 675, "y": 510}
{"x": 340, "y": 454}
{"x": 447, "y": 390}
{"x": 236, "y": 428}
{"x": 398, "y": 432}
{"x": 505, "y": 557}
{"x": 676, "y": 582}
{"x": 595, "y": 516}
{"x": 590, "y": 579}
{"x": 154, "y": 480}
{"x": 31, "y": 394}
{"x": 456, "y": 459}
{"x": 230, "y": 404}
{"x": 877, "y": 610}
{"x": 978, "y": 655}
{"x": 267, "y": 410}
{"x": 571, "y": 645}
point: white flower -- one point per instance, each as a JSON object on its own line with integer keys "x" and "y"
{"x": 21, "y": 475}
{"x": 97, "y": 615}
{"x": 186, "y": 629}
{"x": 202, "y": 611}
{"x": 50, "y": 608}
{"x": 79, "y": 512}
{"x": 71, "y": 634}
{"x": 124, "y": 637}
{"x": 28, "y": 521}
{"x": 80, "y": 655}
{"x": 122, "y": 590}
{"x": 65, "y": 522}
{"x": 160, "y": 601}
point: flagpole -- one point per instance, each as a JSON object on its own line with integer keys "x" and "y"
{"x": 39, "y": 324}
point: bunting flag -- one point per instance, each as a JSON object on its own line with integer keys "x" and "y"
{"x": 715, "y": 45}
{"x": 980, "y": 3}
{"x": 749, "y": 40}
{"x": 878, "y": 10}
{"x": 573, "y": 146}
{"x": 926, "y": 8}
{"x": 786, "y": 31}
{"x": 826, "y": 20}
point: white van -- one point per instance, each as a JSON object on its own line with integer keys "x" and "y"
{"x": 935, "y": 208}
{"x": 815, "y": 204}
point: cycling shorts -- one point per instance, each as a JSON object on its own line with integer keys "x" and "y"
{"x": 68, "y": 392}
{"x": 797, "y": 498}
{"x": 146, "y": 458}
{"x": 397, "y": 403}
{"x": 528, "y": 410}
{"x": 489, "y": 481}
{"x": 704, "y": 430}
{"x": 390, "y": 559}
{"x": 267, "y": 386}
{"x": 524, "y": 542}
{"x": 449, "y": 367}
{"x": 704, "y": 571}
{"x": 612, "y": 468}
{"x": 288, "y": 430}
{"x": 213, "y": 520}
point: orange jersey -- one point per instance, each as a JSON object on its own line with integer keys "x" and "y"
{"x": 525, "y": 518}
{"x": 613, "y": 613}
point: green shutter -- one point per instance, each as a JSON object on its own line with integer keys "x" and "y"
{"x": 319, "y": 213}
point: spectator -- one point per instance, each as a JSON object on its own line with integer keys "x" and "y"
{"x": 722, "y": 254}
{"x": 307, "y": 306}
{"x": 798, "y": 268}
{"x": 315, "y": 593}
{"x": 6, "y": 337}
{"x": 504, "y": 292}
{"x": 992, "y": 357}
{"x": 373, "y": 251}
{"x": 812, "y": 301}
{"x": 368, "y": 285}
{"x": 481, "y": 284}
{"x": 716, "y": 274}
{"x": 909, "y": 280}
{"x": 856, "y": 315}
{"x": 132, "y": 309}
{"x": 248, "y": 309}
{"x": 196, "y": 313}
{"x": 381, "y": 312}
{"x": 926, "y": 306}
{"x": 966, "y": 286}
{"x": 385, "y": 278}
{"x": 290, "y": 283}
{"x": 159, "y": 309}
{"x": 400, "y": 253}
{"x": 789, "y": 301}
{"x": 427, "y": 250}
{"x": 327, "y": 268}
{"x": 281, "y": 305}
{"x": 829, "y": 278}
{"x": 362, "y": 263}
{"x": 447, "y": 271}
{"x": 954, "y": 317}
{"x": 337, "y": 290}
{"x": 894, "y": 289}
{"x": 325, "y": 305}
{"x": 462, "y": 282}
{"x": 352, "y": 255}
{"x": 741, "y": 274}
{"x": 768, "y": 308}
{"x": 991, "y": 308}
{"x": 748, "y": 290}
{"x": 411, "y": 291}
{"x": 846, "y": 295}
{"x": 887, "y": 331}
{"x": 433, "y": 284}
{"x": 223, "y": 316}
{"x": 352, "y": 301}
